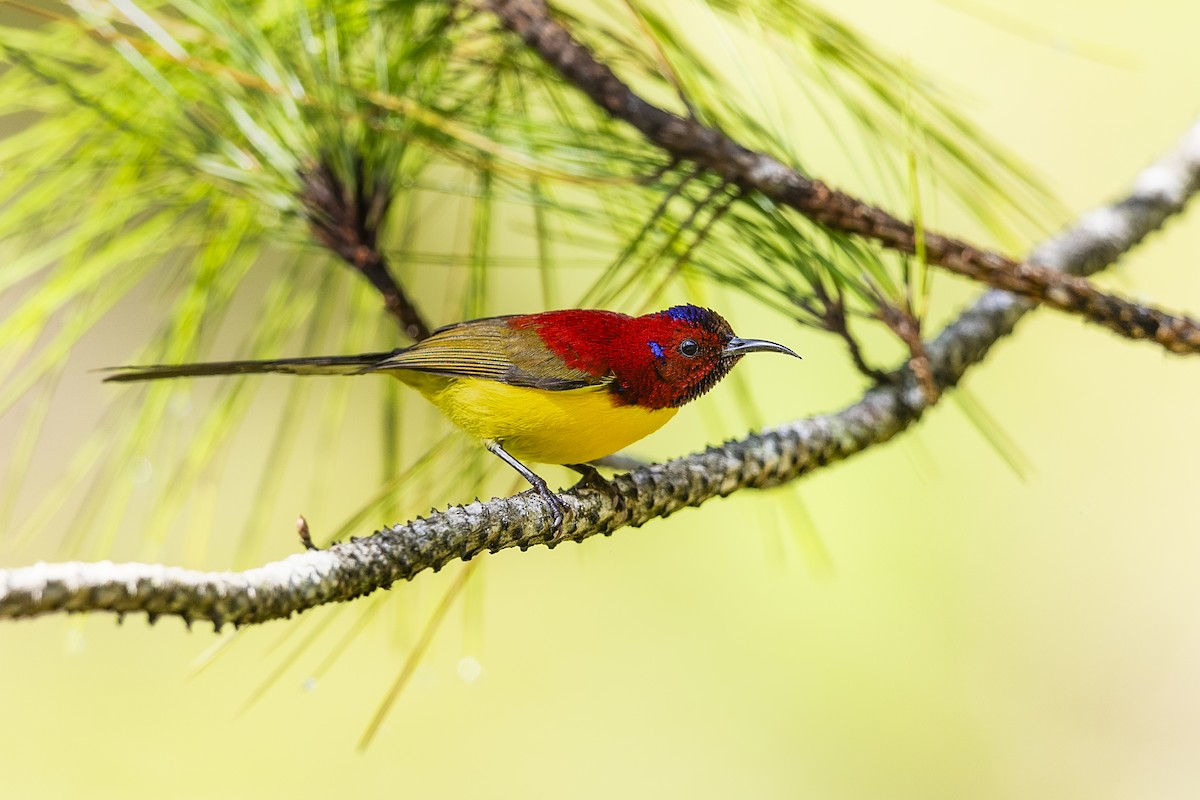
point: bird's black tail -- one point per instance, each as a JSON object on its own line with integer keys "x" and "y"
{"x": 319, "y": 365}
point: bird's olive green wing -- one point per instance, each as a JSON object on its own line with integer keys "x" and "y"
{"x": 493, "y": 350}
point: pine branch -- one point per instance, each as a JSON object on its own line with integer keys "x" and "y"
{"x": 345, "y": 216}
{"x": 688, "y": 139}
{"x": 361, "y": 566}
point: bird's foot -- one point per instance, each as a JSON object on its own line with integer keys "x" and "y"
{"x": 558, "y": 511}
{"x": 592, "y": 479}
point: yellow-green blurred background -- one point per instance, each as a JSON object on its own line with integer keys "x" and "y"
{"x": 976, "y": 635}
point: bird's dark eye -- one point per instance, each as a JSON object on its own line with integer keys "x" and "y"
{"x": 689, "y": 348}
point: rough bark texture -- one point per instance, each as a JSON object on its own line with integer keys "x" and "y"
{"x": 687, "y": 139}
{"x": 776, "y": 456}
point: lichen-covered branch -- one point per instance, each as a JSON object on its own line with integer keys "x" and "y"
{"x": 685, "y": 138}
{"x": 773, "y": 457}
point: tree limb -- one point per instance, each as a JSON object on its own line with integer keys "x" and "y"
{"x": 689, "y": 139}
{"x": 773, "y": 457}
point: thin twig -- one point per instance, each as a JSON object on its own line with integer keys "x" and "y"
{"x": 304, "y": 533}
{"x": 908, "y": 330}
{"x": 833, "y": 318}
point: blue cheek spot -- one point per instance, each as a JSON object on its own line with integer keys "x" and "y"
{"x": 689, "y": 313}
{"x": 656, "y": 348}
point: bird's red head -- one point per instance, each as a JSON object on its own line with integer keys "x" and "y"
{"x": 659, "y": 360}
{"x": 671, "y": 357}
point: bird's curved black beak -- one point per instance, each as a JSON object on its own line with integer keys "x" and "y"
{"x": 738, "y": 347}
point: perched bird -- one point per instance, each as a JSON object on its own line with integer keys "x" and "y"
{"x": 560, "y": 387}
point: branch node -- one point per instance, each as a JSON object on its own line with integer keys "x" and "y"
{"x": 304, "y": 533}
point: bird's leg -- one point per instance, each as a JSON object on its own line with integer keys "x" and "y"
{"x": 556, "y": 506}
{"x": 592, "y": 479}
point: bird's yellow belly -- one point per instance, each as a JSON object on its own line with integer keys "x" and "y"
{"x": 571, "y": 427}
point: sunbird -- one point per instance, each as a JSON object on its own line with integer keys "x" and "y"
{"x": 557, "y": 387}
